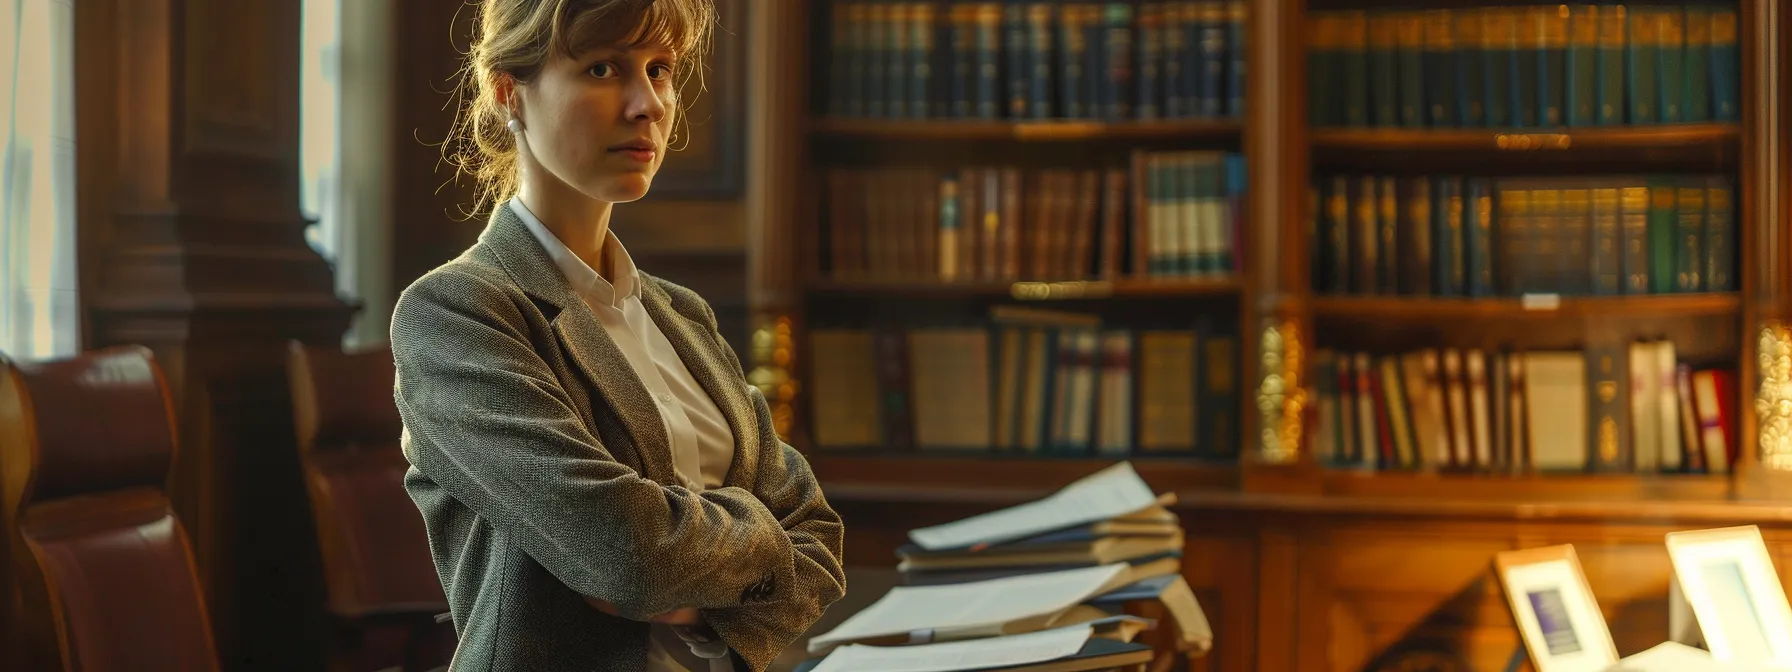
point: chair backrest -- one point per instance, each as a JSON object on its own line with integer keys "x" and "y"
{"x": 91, "y": 440}
{"x": 375, "y": 548}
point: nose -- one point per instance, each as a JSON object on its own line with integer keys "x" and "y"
{"x": 644, "y": 101}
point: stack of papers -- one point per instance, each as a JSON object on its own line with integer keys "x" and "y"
{"x": 1039, "y": 582}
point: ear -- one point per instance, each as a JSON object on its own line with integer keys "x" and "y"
{"x": 505, "y": 93}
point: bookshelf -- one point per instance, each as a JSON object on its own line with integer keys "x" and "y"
{"x": 1296, "y": 519}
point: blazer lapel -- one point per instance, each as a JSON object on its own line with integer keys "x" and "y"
{"x": 584, "y": 340}
{"x": 698, "y": 349}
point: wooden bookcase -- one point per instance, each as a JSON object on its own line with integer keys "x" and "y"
{"x": 1288, "y": 554}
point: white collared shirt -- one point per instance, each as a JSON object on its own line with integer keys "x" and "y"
{"x": 702, "y": 443}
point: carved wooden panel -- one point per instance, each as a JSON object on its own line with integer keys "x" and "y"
{"x": 241, "y": 68}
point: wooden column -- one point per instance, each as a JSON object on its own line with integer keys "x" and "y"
{"x": 1765, "y": 429}
{"x": 192, "y": 244}
{"x": 1275, "y": 146}
{"x": 778, "y": 262}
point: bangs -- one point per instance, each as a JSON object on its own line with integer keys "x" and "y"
{"x": 681, "y": 26}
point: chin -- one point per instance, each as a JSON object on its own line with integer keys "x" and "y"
{"x": 623, "y": 189}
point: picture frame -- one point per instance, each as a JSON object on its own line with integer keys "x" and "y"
{"x": 1728, "y": 580}
{"x": 1553, "y": 606}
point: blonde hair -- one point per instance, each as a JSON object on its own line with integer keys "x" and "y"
{"x": 516, "y": 38}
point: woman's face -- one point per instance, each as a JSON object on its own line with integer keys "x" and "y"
{"x": 599, "y": 123}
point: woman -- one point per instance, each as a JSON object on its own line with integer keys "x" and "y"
{"x": 602, "y": 488}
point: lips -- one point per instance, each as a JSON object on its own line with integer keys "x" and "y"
{"x": 638, "y": 150}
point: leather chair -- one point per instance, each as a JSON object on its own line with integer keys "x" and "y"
{"x": 101, "y": 559}
{"x": 383, "y": 590}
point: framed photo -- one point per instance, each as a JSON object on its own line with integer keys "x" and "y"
{"x": 1728, "y": 579}
{"x": 1557, "y": 617}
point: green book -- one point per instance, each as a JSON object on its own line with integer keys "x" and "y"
{"x": 1720, "y": 236}
{"x": 1387, "y": 219}
{"x": 1416, "y": 259}
{"x": 1610, "y": 81}
{"x": 1724, "y": 63}
{"x": 1325, "y": 104}
{"x": 1552, "y": 79}
{"x": 1573, "y": 259}
{"x": 1530, "y": 48}
{"x": 1633, "y": 232}
{"x": 1440, "y": 68}
{"x": 1696, "y": 106}
{"x": 1499, "y": 32}
{"x": 1583, "y": 65}
{"x": 1642, "y": 75}
{"x": 1690, "y": 232}
{"x": 1384, "y": 72}
{"x": 1663, "y": 222}
{"x": 1410, "y": 32}
{"x": 1353, "y": 42}
{"x": 1671, "y": 50}
{"x": 1513, "y": 229}
{"x": 1606, "y": 260}
{"x": 1547, "y": 240}
{"x": 1470, "y": 74}
{"x": 1365, "y": 236}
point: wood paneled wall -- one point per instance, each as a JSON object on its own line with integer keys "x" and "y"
{"x": 690, "y": 229}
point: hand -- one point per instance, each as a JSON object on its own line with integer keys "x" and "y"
{"x": 685, "y": 616}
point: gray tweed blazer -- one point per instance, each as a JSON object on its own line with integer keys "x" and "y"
{"x": 544, "y": 474}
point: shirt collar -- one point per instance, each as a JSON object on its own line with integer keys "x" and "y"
{"x": 583, "y": 278}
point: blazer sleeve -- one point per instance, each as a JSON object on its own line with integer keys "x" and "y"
{"x": 486, "y": 419}
{"x": 759, "y": 632}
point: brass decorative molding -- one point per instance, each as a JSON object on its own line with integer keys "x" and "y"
{"x": 1280, "y": 397}
{"x": 774, "y": 351}
{"x": 1773, "y": 400}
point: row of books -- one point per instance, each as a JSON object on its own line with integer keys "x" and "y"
{"x": 1540, "y": 66}
{"x": 1005, "y": 223}
{"x": 1477, "y": 236}
{"x": 1052, "y": 584}
{"x": 1030, "y": 381}
{"x": 1613, "y": 408}
{"x": 1036, "y": 59}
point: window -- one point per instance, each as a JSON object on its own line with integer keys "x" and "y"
{"x": 39, "y": 306}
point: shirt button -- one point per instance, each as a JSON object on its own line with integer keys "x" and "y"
{"x": 666, "y": 397}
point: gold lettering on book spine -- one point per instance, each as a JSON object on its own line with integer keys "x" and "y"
{"x": 774, "y": 351}
{"x": 1280, "y": 398}
{"x": 1773, "y": 401}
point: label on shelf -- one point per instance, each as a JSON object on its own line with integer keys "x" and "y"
{"x": 1541, "y": 301}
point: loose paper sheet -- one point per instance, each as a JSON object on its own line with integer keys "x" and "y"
{"x": 1677, "y": 657}
{"x": 1114, "y": 491}
{"x": 906, "y": 609}
{"x": 971, "y": 654}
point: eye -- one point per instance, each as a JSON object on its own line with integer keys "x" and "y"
{"x": 603, "y": 70}
{"x": 659, "y": 72}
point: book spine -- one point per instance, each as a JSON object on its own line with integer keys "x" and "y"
{"x": 1671, "y": 67}
{"x": 1039, "y": 60}
{"x": 1720, "y": 253}
{"x": 1547, "y": 240}
{"x": 1606, "y": 262}
{"x": 1384, "y": 71}
{"x": 1724, "y": 64}
{"x": 1662, "y": 224}
{"x": 1577, "y": 232}
{"x": 1583, "y": 66}
{"x": 1633, "y": 225}
{"x": 1470, "y": 74}
{"x": 1415, "y": 237}
{"x": 1610, "y": 83}
{"x": 896, "y": 75}
{"x": 1696, "y": 103}
{"x": 1170, "y": 39}
{"x": 1410, "y": 31}
{"x": 1214, "y": 61}
{"x": 1479, "y": 215}
{"x": 1499, "y": 33}
{"x": 1690, "y": 205}
{"x": 1149, "y": 58}
{"x": 989, "y": 59}
{"x": 1608, "y": 410}
{"x": 920, "y": 59}
{"x": 1440, "y": 68}
{"x": 1237, "y": 11}
{"x": 1642, "y": 78}
{"x": 1531, "y": 61}
{"x": 1552, "y": 75}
